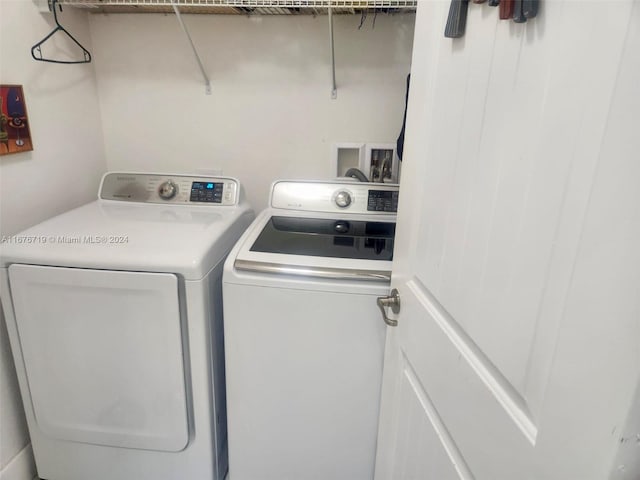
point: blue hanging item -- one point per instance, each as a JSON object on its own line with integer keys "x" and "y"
{"x": 15, "y": 105}
{"x": 16, "y": 113}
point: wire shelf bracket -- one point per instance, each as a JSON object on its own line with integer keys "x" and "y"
{"x": 334, "y": 87}
{"x": 207, "y": 81}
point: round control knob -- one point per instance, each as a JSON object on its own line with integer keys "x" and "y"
{"x": 167, "y": 190}
{"x": 343, "y": 199}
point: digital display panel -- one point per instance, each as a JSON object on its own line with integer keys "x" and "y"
{"x": 383, "y": 201}
{"x": 203, "y": 186}
{"x": 206, "y": 192}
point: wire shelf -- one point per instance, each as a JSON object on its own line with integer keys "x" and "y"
{"x": 261, "y": 7}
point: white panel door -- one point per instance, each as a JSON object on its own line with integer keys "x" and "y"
{"x": 517, "y": 254}
{"x": 103, "y": 355}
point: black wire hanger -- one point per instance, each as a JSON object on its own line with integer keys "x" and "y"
{"x": 36, "y": 51}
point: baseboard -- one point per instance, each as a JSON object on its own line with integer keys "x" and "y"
{"x": 21, "y": 467}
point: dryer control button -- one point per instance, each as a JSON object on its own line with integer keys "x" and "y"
{"x": 343, "y": 199}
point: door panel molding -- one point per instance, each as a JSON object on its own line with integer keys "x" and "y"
{"x": 496, "y": 383}
{"x": 438, "y": 425}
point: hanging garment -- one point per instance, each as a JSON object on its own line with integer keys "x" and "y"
{"x": 400, "y": 143}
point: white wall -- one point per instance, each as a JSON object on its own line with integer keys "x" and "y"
{"x": 62, "y": 172}
{"x": 270, "y": 115}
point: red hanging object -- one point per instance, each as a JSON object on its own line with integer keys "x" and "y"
{"x": 507, "y": 8}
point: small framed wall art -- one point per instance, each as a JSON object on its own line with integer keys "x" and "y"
{"x": 14, "y": 124}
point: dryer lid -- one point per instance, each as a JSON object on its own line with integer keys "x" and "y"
{"x": 187, "y": 240}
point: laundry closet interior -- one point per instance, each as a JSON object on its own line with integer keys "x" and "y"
{"x": 319, "y": 239}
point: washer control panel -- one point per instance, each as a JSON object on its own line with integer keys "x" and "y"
{"x": 382, "y": 201}
{"x": 174, "y": 189}
{"x": 352, "y": 197}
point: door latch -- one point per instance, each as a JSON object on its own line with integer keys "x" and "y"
{"x": 392, "y": 301}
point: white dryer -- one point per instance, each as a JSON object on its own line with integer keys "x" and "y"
{"x": 115, "y": 321}
{"x": 304, "y": 338}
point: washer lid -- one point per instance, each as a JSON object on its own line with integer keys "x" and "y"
{"x": 281, "y": 242}
{"x": 187, "y": 240}
{"x": 327, "y": 237}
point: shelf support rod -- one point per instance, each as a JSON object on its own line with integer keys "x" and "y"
{"x": 334, "y": 88}
{"x": 207, "y": 82}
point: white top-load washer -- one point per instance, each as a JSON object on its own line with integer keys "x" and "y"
{"x": 304, "y": 339}
{"x": 115, "y": 321}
